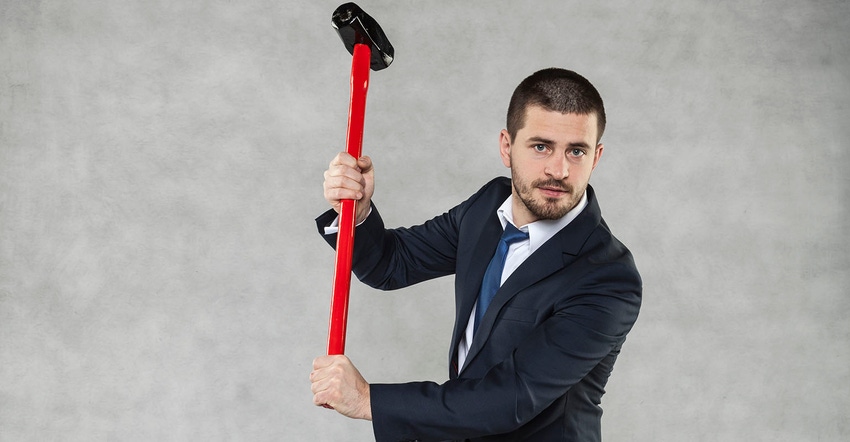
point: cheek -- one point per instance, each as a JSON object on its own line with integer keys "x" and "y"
{"x": 582, "y": 174}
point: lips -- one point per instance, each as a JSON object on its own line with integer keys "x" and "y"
{"x": 553, "y": 192}
{"x": 552, "y": 189}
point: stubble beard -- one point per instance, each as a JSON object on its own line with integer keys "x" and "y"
{"x": 548, "y": 208}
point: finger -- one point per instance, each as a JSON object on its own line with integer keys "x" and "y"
{"x": 326, "y": 391}
{"x": 321, "y": 362}
{"x": 342, "y": 174}
{"x": 343, "y": 182}
{"x": 319, "y": 384}
{"x": 345, "y": 177}
{"x": 343, "y": 170}
{"x": 322, "y": 390}
{"x": 319, "y": 400}
{"x": 335, "y": 193}
{"x": 343, "y": 159}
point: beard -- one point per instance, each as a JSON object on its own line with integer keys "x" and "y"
{"x": 546, "y": 208}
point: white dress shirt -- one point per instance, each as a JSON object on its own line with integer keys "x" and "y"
{"x": 538, "y": 233}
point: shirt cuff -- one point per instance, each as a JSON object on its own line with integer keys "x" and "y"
{"x": 333, "y": 228}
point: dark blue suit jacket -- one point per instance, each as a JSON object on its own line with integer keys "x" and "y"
{"x": 547, "y": 344}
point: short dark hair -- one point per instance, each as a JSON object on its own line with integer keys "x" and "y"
{"x": 559, "y": 90}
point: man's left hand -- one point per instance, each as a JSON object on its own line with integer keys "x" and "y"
{"x": 337, "y": 384}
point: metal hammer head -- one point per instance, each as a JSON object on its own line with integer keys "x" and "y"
{"x": 355, "y": 26}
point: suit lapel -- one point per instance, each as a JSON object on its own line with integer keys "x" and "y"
{"x": 470, "y": 278}
{"x": 551, "y": 257}
{"x": 474, "y": 275}
{"x": 547, "y": 260}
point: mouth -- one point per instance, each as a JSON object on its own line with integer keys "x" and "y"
{"x": 550, "y": 190}
{"x": 552, "y": 193}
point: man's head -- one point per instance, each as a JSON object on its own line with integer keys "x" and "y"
{"x": 557, "y": 90}
{"x": 551, "y": 145}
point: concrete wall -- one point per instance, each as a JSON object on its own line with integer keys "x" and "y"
{"x": 161, "y": 163}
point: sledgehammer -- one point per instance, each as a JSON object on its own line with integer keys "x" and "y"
{"x": 369, "y": 47}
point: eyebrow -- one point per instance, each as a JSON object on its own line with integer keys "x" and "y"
{"x": 542, "y": 140}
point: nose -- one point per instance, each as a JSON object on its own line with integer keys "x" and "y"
{"x": 557, "y": 167}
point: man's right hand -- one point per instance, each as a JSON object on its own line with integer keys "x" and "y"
{"x": 347, "y": 178}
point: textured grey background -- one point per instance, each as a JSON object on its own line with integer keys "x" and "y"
{"x": 161, "y": 164}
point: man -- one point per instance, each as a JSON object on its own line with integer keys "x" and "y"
{"x": 530, "y": 358}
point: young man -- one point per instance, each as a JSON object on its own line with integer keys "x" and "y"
{"x": 539, "y": 322}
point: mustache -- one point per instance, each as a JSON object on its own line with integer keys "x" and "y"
{"x": 553, "y": 184}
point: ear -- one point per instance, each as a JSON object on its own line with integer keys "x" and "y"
{"x": 597, "y": 155}
{"x": 505, "y": 147}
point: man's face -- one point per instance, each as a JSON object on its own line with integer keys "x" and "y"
{"x": 551, "y": 160}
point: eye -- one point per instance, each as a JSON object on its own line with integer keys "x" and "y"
{"x": 576, "y": 152}
{"x": 539, "y": 148}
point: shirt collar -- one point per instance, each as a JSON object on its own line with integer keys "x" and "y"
{"x": 542, "y": 230}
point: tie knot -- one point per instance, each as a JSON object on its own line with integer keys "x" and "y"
{"x": 512, "y": 234}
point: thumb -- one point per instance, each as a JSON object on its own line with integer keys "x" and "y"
{"x": 365, "y": 164}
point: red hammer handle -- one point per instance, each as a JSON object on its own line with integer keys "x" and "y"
{"x": 345, "y": 238}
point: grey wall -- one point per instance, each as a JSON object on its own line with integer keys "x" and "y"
{"x": 161, "y": 164}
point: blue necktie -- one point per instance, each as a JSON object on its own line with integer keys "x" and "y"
{"x": 493, "y": 275}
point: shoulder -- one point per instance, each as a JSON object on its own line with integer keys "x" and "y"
{"x": 607, "y": 256}
{"x": 491, "y": 195}
{"x": 599, "y": 246}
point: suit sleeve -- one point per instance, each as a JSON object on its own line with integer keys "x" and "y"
{"x": 584, "y": 331}
{"x": 390, "y": 259}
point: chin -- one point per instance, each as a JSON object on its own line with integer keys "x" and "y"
{"x": 550, "y": 211}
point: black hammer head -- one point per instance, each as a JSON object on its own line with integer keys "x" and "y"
{"x": 355, "y": 26}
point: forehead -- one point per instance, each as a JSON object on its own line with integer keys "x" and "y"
{"x": 557, "y": 126}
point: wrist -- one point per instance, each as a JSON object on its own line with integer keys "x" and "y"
{"x": 366, "y": 411}
{"x": 362, "y": 215}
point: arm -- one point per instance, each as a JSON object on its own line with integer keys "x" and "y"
{"x": 335, "y": 382}
{"x": 389, "y": 259}
{"x": 559, "y": 354}
{"x": 385, "y": 259}
{"x": 576, "y": 344}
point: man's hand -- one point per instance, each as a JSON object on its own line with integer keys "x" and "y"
{"x": 337, "y": 384}
{"x": 347, "y": 178}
